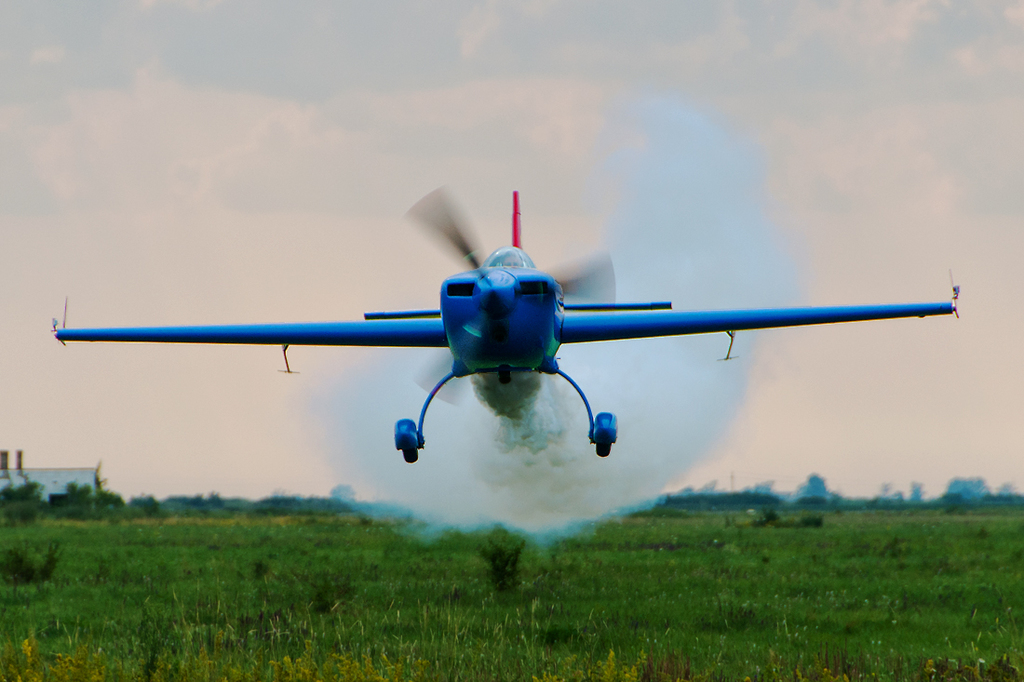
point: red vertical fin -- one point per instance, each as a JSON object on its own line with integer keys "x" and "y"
{"x": 516, "y": 235}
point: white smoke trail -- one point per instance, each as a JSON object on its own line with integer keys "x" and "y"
{"x": 686, "y": 224}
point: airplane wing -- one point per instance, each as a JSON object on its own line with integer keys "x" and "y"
{"x": 387, "y": 332}
{"x": 605, "y": 326}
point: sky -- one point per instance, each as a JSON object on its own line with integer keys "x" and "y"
{"x": 221, "y": 161}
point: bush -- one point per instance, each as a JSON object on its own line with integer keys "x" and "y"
{"x": 29, "y": 492}
{"x": 105, "y": 499}
{"x": 328, "y": 591}
{"x": 21, "y": 503}
{"x": 768, "y": 517}
{"x": 260, "y": 569}
{"x": 20, "y": 565}
{"x": 811, "y": 521}
{"x": 25, "y": 511}
{"x": 78, "y": 495}
{"x": 147, "y": 504}
{"x": 86, "y": 501}
{"x": 502, "y": 551}
{"x": 102, "y": 497}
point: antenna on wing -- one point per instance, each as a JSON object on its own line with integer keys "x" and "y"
{"x": 728, "y": 353}
{"x": 287, "y": 369}
{"x": 956, "y": 293}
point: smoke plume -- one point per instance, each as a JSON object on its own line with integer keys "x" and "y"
{"x": 684, "y": 221}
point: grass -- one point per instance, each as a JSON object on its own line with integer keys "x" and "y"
{"x": 691, "y": 595}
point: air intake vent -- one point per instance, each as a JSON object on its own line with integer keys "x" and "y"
{"x": 535, "y": 287}
{"x": 460, "y": 289}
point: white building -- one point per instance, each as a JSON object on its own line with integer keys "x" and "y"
{"x": 53, "y": 481}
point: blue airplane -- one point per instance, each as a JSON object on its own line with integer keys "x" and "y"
{"x": 505, "y": 316}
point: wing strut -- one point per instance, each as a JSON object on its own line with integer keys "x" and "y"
{"x": 287, "y": 369}
{"x": 728, "y": 353}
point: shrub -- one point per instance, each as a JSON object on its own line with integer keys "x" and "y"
{"x": 501, "y": 551}
{"x": 25, "y": 511}
{"x": 328, "y": 591}
{"x": 20, "y": 565}
{"x": 768, "y": 517}
{"x": 102, "y": 497}
{"x": 21, "y": 503}
{"x": 106, "y": 499}
{"x": 29, "y": 492}
{"x": 78, "y": 495}
{"x": 147, "y": 504}
{"x": 811, "y": 521}
{"x": 260, "y": 569}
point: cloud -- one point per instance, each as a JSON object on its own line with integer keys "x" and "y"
{"x": 481, "y": 22}
{"x": 160, "y": 142}
{"x": 51, "y": 54}
{"x": 193, "y": 5}
{"x": 1015, "y": 14}
{"x": 866, "y": 24}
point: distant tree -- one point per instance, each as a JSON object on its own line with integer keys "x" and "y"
{"x": 967, "y": 488}
{"x": 916, "y": 492}
{"x": 764, "y": 488}
{"x": 78, "y": 495}
{"x": 147, "y": 503}
{"x": 344, "y": 493}
{"x": 21, "y": 503}
{"x": 103, "y": 497}
{"x": 1007, "y": 490}
{"x": 29, "y": 492}
{"x": 814, "y": 487}
{"x": 886, "y": 493}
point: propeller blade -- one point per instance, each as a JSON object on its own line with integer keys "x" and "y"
{"x": 588, "y": 281}
{"x": 438, "y": 213}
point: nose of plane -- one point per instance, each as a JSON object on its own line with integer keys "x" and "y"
{"x": 496, "y": 293}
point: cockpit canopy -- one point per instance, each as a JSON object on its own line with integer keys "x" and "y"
{"x": 508, "y": 257}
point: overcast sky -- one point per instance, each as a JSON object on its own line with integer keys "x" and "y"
{"x": 205, "y": 161}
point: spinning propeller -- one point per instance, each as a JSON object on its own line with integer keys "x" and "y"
{"x": 441, "y": 217}
{"x": 591, "y": 280}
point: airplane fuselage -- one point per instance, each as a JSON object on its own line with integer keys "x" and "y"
{"x": 505, "y": 316}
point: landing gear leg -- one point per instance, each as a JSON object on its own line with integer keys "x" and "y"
{"x": 409, "y": 434}
{"x": 603, "y": 427}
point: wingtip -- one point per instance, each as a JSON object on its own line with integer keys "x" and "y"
{"x": 956, "y": 293}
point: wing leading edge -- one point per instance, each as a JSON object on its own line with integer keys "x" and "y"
{"x": 406, "y": 332}
{"x": 582, "y": 327}
{"x": 576, "y": 327}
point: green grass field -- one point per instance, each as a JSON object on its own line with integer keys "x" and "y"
{"x": 688, "y": 596}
